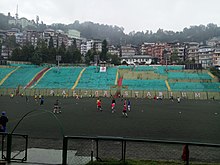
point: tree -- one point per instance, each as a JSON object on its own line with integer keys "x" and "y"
{"x": 42, "y": 50}
{"x": 115, "y": 59}
{"x": 51, "y": 44}
{"x": 89, "y": 57}
{"x": 27, "y": 52}
{"x": 62, "y": 50}
{"x": 174, "y": 57}
{"x": 16, "y": 55}
{"x": 36, "y": 58}
{"x": 103, "y": 55}
{"x": 52, "y": 55}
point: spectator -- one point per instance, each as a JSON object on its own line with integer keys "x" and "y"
{"x": 3, "y": 121}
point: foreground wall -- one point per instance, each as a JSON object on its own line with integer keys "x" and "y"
{"x": 107, "y": 93}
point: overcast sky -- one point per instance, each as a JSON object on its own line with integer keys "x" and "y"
{"x": 137, "y": 15}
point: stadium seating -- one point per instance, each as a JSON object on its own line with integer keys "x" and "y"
{"x": 195, "y": 86}
{"x": 185, "y": 75}
{"x": 93, "y": 79}
{"x": 65, "y": 77}
{"x": 21, "y": 77}
{"x": 158, "y": 85}
{"x": 4, "y": 72}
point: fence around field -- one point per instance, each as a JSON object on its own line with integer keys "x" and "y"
{"x": 122, "y": 149}
{"x": 148, "y": 94}
{"x": 85, "y": 149}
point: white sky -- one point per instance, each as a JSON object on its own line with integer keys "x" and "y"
{"x": 137, "y": 15}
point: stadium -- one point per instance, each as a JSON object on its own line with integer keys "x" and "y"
{"x": 157, "y": 127}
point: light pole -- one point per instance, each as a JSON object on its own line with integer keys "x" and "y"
{"x": 58, "y": 59}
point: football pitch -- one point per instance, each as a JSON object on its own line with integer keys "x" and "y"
{"x": 189, "y": 120}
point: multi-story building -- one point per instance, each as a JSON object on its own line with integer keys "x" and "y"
{"x": 128, "y": 50}
{"x": 23, "y": 22}
{"x": 2, "y": 36}
{"x": 156, "y": 50}
{"x": 83, "y": 48}
{"x": 113, "y": 50}
{"x": 77, "y": 41}
{"x": 12, "y": 31}
{"x": 6, "y": 52}
{"x": 216, "y": 57}
{"x": 213, "y": 42}
{"x": 94, "y": 44}
{"x": 145, "y": 48}
{"x": 205, "y": 56}
{"x": 19, "y": 37}
{"x": 87, "y": 45}
{"x": 192, "y": 51}
{"x": 31, "y": 37}
{"x": 137, "y": 60}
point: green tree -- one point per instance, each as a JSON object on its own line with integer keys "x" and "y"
{"x": 77, "y": 56}
{"x": 16, "y": 55}
{"x": 27, "y": 52}
{"x": 103, "y": 55}
{"x": 10, "y": 43}
{"x": 51, "y": 58}
{"x": 114, "y": 59}
{"x": 36, "y": 58}
{"x": 51, "y": 44}
{"x": 89, "y": 57}
{"x": 62, "y": 50}
{"x": 42, "y": 50}
{"x": 174, "y": 57}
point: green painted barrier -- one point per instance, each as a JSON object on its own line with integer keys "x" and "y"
{"x": 214, "y": 95}
{"x": 149, "y": 94}
{"x": 126, "y": 93}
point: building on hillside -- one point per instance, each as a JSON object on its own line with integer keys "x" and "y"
{"x": 156, "y": 50}
{"x": 23, "y": 22}
{"x": 19, "y": 37}
{"x": 32, "y": 37}
{"x": 94, "y": 44}
{"x": 192, "y": 51}
{"x": 179, "y": 49}
{"x": 216, "y": 57}
{"x": 72, "y": 33}
{"x": 58, "y": 37}
{"x": 213, "y": 42}
{"x": 128, "y": 50}
{"x": 6, "y": 52}
{"x": 74, "y": 36}
{"x": 61, "y": 38}
{"x": 12, "y": 31}
{"x": 137, "y": 60}
{"x": 205, "y": 56}
{"x": 2, "y": 36}
{"x": 145, "y": 48}
{"x": 77, "y": 41}
{"x": 87, "y": 45}
{"x": 83, "y": 48}
{"x": 113, "y": 50}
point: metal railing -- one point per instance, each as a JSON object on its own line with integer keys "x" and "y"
{"x": 7, "y": 146}
{"x": 122, "y": 149}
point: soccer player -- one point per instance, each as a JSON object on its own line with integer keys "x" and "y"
{"x": 178, "y": 99}
{"x": 99, "y": 105}
{"x": 42, "y": 100}
{"x": 124, "y": 112}
{"x": 129, "y": 105}
{"x": 113, "y": 105}
{"x": 57, "y": 108}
